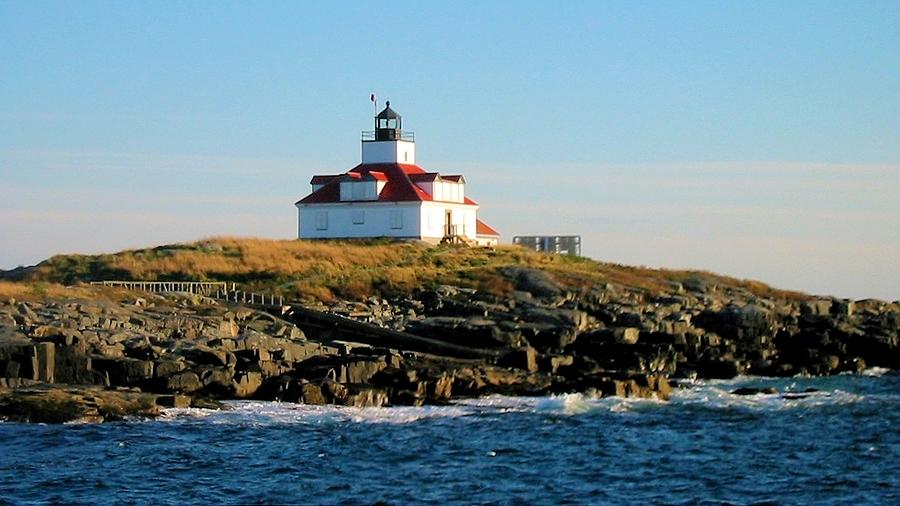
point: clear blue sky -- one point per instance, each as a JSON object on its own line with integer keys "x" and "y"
{"x": 759, "y": 139}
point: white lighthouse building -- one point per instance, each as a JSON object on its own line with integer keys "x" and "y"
{"x": 388, "y": 195}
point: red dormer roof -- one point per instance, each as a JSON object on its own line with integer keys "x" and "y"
{"x": 482, "y": 228}
{"x": 399, "y": 185}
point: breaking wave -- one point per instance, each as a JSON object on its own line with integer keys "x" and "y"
{"x": 790, "y": 393}
{"x": 818, "y": 440}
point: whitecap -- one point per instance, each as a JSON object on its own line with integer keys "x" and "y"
{"x": 566, "y": 404}
{"x": 875, "y": 371}
{"x": 262, "y": 413}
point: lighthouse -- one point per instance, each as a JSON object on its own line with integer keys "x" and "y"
{"x": 388, "y": 143}
{"x": 389, "y": 195}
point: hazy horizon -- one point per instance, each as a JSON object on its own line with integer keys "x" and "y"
{"x": 757, "y": 140}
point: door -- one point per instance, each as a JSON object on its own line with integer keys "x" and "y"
{"x": 448, "y": 223}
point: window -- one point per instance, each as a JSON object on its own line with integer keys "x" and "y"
{"x": 359, "y": 217}
{"x": 396, "y": 218}
{"x": 322, "y": 220}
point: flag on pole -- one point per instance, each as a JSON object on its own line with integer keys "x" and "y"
{"x": 372, "y": 97}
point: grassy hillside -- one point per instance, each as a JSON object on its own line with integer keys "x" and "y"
{"x": 325, "y": 270}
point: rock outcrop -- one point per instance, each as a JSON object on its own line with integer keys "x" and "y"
{"x": 430, "y": 346}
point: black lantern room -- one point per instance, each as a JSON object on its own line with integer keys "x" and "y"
{"x": 388, "y": 125}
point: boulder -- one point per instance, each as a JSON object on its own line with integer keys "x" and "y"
{"x": 553, "y": 363}
{"x": 521, "y": 358}
{"x": 475, "y": 332}
{"x": 311, "y": 394}
{"x": 365, "y": 397}
{"x": 217, "y": 381}
{"x": 169, "y": 367}
{"x": 361, "y": 370}
{"x": 844, "y": 307}
{"x": 246, "y": 383}
{"x": 441, "y": 388}
{"x": 204, "y": 355}
{"x": 183, "y": 382}
{"x": 551, "y": 328}
{"x": 535, "y": 281}
{"x": 626, "y": 335}
{"x": 718, "y": 369}
{"x": 125, "y": 371}
{"x": 27, "y": 313}
{"x": 819, "y": 307}
{"x": 173, "y": 401}
{"x": 333, "y": 392}
{"x": 60, "y": 404}
{"x": 736, "y": 322}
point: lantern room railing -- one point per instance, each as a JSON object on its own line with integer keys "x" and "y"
{"x": 369, "y": 135}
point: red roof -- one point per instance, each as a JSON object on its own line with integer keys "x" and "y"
{"x": 482, "y": 228}
{"x": 398, "y": 188}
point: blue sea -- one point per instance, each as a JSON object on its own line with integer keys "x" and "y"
{"x": 837, "y": 445}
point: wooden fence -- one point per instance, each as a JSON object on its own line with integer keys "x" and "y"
{"x": 212, "y": 289}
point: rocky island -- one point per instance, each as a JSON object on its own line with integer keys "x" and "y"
{"x": 377, "y": 324}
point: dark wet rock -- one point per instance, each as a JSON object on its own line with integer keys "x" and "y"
{"x": 444, "y": 343}
{"x": 184, "y": 382}
{"x": 124, "y": 371}
{"x": 553, "y": 363}
{"x": 719, "y": 369}
{"x": 799, "y": 395}
{"x": 365, "y": 396}
{"x": 521, "y": 358}
{"x": 754, "y": 391}
{"x": 737, "y": 322}
{"x": 821, "y": 307}
{"x": 59, "y": 404}
{"x": 476, "y": 332}
{"x": 311, "y": 393}
{"x": 169, "y": 367}
{"x": 205, "y": 355}
{"x": 551, "y": 328}
{"x": 333, "y": 392}
{"x": 245, "y": 384}
{"x": 173, "y": 401}
{"x": 344, "y": 369}
{"x": 606, "y": 385}
{"x": 217, "y": 381}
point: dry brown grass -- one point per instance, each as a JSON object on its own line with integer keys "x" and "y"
{"x": 325, "y": 270}
{"x": 10, "y": 290}
{"x": 41, "y": 290}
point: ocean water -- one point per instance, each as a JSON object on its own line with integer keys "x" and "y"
{"x": 839, "y": 445}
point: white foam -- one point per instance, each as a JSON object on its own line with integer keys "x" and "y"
{"x": 875, "y": 371}
{"x": 567, "y": 404}
{"x": 268, "y": 413}
{"x": 712, "y": 394}
{"x": 717, "y": 394}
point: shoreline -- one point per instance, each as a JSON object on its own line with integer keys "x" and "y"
{"x": 102, "y": 360}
